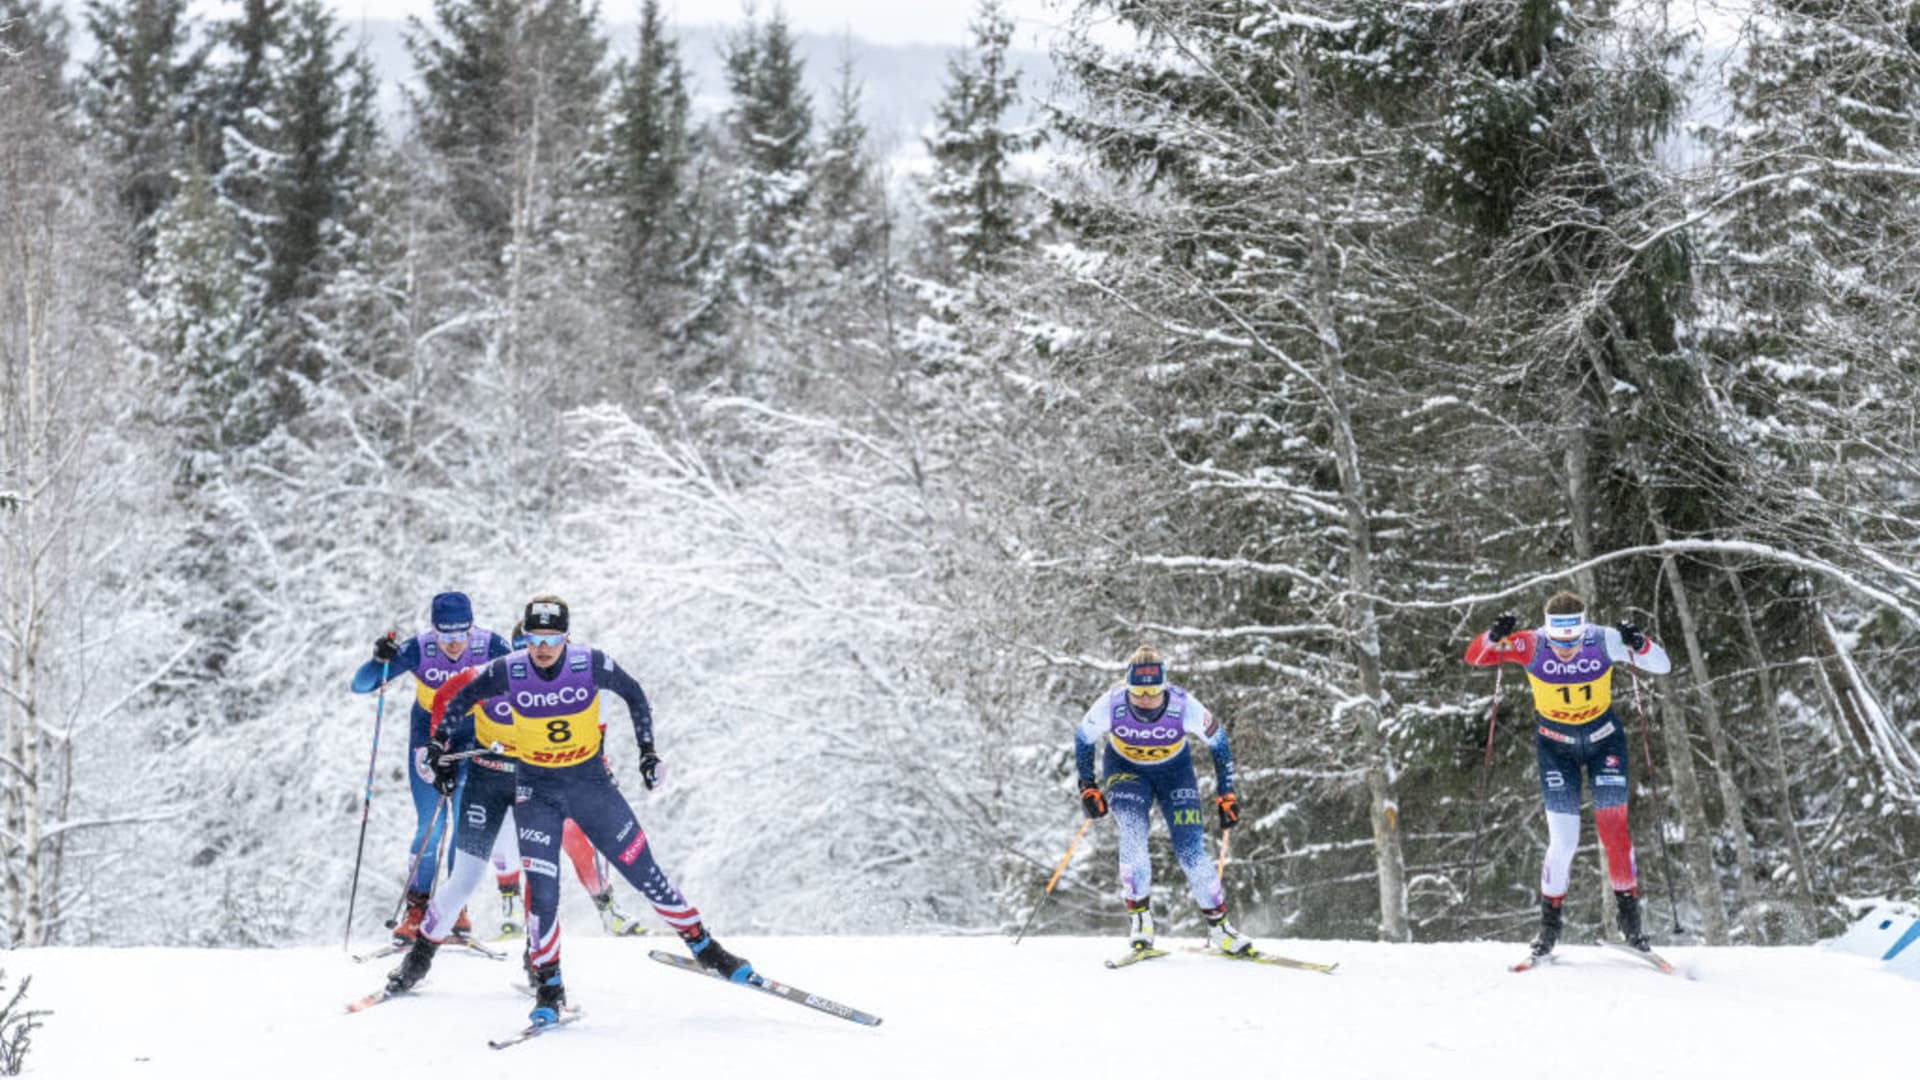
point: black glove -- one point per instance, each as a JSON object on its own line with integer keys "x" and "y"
{"x": 1229, "y": 810}
{"x": 1631, "y": 636}
{"x": 1502, "y": 627}
{"x": 446, "y": 774}
{"x": 650, "y": 768}
{"x": 385, "y": 648}
{"x": 1091, "y": 800}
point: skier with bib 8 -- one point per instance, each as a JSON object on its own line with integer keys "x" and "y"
{"x": 1147, "y": 724}
{"x": 1569, "y": 664}
{"x": 554, "y": 689}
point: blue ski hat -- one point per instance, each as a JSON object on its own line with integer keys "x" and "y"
{"x": 1146, "y": 672}
{"x": 452, "y": 612}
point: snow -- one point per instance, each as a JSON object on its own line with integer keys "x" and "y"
{"x": 970, "y": 1007}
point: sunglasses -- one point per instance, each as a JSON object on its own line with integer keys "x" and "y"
{"x": 1145, "y": 691}
{"x": 452, "y": 635}
{"x": 547, "y": 640}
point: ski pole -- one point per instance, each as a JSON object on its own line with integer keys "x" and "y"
{"x": 366, "y": 801}
{"x": 419, "y": 852}
{"x": 1054, "y": 880}
{"x": 1486, "y": 775}
{"x": 1659, "y": 804}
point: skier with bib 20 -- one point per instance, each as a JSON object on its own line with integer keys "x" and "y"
{"x": 1569, "y": 664}
{"x": 1148, "y": 725}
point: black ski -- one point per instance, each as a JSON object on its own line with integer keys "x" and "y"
{"x": 768, "y": 986}
{"x": 568, "y": 1014}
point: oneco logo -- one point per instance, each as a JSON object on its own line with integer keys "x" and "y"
{"x": 1126, "y": 731}
{"x": 1587, "y": 666}
{"x": 566, "y": 695}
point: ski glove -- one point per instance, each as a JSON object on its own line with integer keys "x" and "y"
{"x": 1091, "y": 800}
{"x": 1229, "y": 810}
{"x": 446, "y": 774}
{"x": 651, "y": 770}
{"x": 385, "y": 648}
{"x": 1502, "y": 627}
{"x": 1631, "y": 636}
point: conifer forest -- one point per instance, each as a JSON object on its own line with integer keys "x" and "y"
{"x": 1298, "y": 338}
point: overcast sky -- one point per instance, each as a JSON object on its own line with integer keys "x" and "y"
{"x": 890, "y": 22}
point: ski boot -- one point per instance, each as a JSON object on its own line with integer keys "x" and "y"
{"x": 1140, "y": 924}
{"x": 549, "y": 994}
{"x": 1222, "y": 935}
{"x": 409, "y": 926}
{"x": 1629, "y": 908}
{"x": 617, "y": 922}
{"x": 1549, "y": 926}
{"x": 510, "y": 911}
{"x": 714, "y": 958}
{"x": 462, "y": 927}
{"x": 413, "y": 966}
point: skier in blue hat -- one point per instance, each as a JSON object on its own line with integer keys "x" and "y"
{"x": 431, "y": 657}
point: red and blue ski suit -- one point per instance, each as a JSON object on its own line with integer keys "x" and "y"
{"x": 1575, "y": 730}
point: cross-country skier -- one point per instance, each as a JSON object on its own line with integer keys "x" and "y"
{"x": 431, "y": 658}
{"x": 554, "y": 689}
{"x": 1147, "y": 724}
{"x": 506, "y": 850}
{"x": 1569, "y": 664}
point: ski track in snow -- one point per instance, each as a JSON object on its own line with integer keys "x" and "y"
{"x": 978, "y": 1007}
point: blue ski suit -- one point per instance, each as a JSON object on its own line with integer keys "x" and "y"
{"x": 422, "y": 657}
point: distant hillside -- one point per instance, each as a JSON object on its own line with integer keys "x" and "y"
{"x": 902, "y": 83}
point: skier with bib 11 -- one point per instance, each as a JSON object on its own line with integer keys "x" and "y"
{"x": 1146, "y": 724}
{"x": 431, "y": 658}
{"x": 1569, "y": 664}
{"x": 554, "y": 689}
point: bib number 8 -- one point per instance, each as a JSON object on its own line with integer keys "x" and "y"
{"x": 559, "y": 731}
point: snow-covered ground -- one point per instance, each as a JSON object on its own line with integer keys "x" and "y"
{"x": 981, "y": 1007}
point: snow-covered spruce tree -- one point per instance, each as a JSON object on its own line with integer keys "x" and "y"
{"x": 1550, "y": 114}
{"x": 769, "y": 127}
{"x": 142, "y": 92}
{"x": 846, "y": 227}
{"x": 646, "y": 162}
{"x": 510, "y": 108}
{"x": 73, "y": 473}
{"x": 981, "y": 213}
{"x": 1806, "y": 327}
{"x": 1279, "y": 304}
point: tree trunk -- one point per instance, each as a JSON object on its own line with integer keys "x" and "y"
{"x": 1363, "y": 623}
{"x": 1777, "y": 755}
{"x": 1731, "y": 798}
